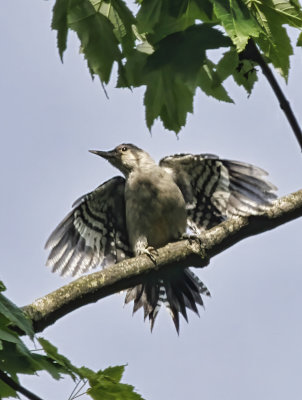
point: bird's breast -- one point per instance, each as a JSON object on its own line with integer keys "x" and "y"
{"x": 155, "y": 210}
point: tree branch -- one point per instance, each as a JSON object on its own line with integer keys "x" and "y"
{"x": 251, "y": 52}
{"x": 90, "y": 288}
{"x": 17, "y": 387}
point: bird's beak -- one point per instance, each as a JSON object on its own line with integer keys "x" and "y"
{"x": 108, "y": 155}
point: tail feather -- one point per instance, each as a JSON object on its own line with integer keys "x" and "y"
{"x": 175, "y": 305}
{"x": 179, "y": 291}
{"x": 178, "y": 296}
{"x": 135, "y": 294}
{"x": 190, "y": 299}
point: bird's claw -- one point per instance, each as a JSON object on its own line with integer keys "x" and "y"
{"x": 151, "y": 252}
{"x": 191, "y": 238}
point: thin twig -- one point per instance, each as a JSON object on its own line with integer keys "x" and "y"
{"x": 76, "y": 395}
{"x": 252, "y": 52}
{"x": 75, "y": 392}
{"x": 82, "y": 394}
{"x": 74, "y": 389}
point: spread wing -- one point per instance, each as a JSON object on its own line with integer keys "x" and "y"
{"x": 93, "y": 233}
{"x": 216, "y": 189}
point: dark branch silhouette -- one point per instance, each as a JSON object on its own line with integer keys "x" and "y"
{"x": 91, "y": 288}
{"x": 17, "y": 387}
{"x": 252, "y": 52}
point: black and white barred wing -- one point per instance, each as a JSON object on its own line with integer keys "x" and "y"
{"x": 216, "y": 189}
{"x": 93, "y": 233}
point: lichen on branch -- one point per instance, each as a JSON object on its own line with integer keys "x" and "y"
{"x": 185, "y": 253}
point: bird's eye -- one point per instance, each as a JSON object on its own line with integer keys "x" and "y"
{"x": 124, "y": 148}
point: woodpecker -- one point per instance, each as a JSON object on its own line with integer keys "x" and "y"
{"x": 152, "y": 205}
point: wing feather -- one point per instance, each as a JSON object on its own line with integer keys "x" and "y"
{"x": 215, "y": 189}
{"x": 93, "y": 233}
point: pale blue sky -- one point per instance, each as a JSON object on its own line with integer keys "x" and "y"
{"x": 247, "y": 343}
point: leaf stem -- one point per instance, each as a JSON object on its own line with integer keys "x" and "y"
{"x": 76, "y": 390}
{"x": 109, "y": 8}
{"x": 99, "y": 6}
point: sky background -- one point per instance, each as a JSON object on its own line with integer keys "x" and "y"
{"x": 247, "y": 344}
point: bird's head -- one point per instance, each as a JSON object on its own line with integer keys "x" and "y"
{"x": 126, "y": 157}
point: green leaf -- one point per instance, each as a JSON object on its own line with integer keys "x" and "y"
{"x": 246, "y": 75}
{"x": 124, "y": 30}
{"x": 114, "y": 373}
{"x": 176, "y": 8}
{"x": 163, "y": 17}
{"x": 7, "y": 391}
{"x": 227, "y": 64}
{"x": 289, "y": 10}
{"x": 166, "y": 44}
{"x": 47, "y": 364}
{"x": 8, "y": 335}
{"x": 168, "y": 22}
{"x": 273, "y": 41}
{"x": 205, "y": 10}
{"x": 143, "y": 46}
{"x": 149, "y": 15}
{"x": 168, "y": 25}
{"x": 176, "y": 49}
{"x": 86, "y": 373}
{"x": 52, "y": 352}
{"x": 171, "y": 80}
{"x": 98, "y": 42}
{"x": 210, "y": 83}
{"x": 16, "y": 358}
{"x": 237, "y": 21}
{"x": 15, "y": 315}
{"x": 168, "y": 97}
{"x": 121, "y": 18}
{"x": 113, "y": 391}
{"x": 59, "y": 23}
{"x": 105, "y": 385}
{"x": 277, "y": 53}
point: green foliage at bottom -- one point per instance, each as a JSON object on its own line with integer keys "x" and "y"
{"x": 16, "y": 358}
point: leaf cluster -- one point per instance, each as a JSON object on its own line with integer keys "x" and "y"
{"x": 16, "y": 358}
{"x": 166, "y": 46}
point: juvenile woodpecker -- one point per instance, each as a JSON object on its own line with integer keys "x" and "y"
{"x": 149, "y": 207}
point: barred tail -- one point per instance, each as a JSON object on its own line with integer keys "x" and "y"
{"x": 177, "y": 291}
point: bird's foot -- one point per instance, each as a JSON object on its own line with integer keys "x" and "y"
{"x": 142, "y": 247}
{"x": 196, "y": 243}
{"x": 151, "y": 252}
{"x": 191, "y": 237}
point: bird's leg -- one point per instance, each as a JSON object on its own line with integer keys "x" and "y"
{"x": 141, "y": 247}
